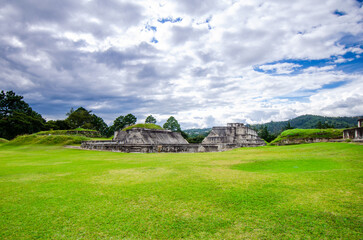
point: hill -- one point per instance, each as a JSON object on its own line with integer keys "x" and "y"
{"x": 60, "y": 140}
{"x": 197, "y": 132}
{"x": 309, "y": 122}
{"x": 302, "y": 122}
{"x": 73, "y": 132}
{"x": 297, "y": 136}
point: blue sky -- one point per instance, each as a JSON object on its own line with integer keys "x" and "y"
{"x": 206, "y": 62}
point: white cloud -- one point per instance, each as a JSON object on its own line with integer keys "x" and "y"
{"x": 99, "y": 55}
{"x": 281, "y": 68}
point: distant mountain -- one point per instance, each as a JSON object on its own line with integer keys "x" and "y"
{"x": 197, "y": 131}
{"x": 309, "y": 122}
{"x": 302, "y": 122}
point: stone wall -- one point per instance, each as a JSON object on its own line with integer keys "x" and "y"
{"x": 151, "y": 140}
{"x": 306, "y": 140}
{"x": 148, "y": 136}
{"x": 147, "y": 148}
{"x": 234, "y": 134}
{"x": 353, "y": 133}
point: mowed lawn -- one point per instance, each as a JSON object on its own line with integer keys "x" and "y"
{"x": 309, "y": 191}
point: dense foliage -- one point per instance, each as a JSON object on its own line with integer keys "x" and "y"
{"x": 150, "y": 119}
{"x": 172, "y": 124}
{"x": 310, "y": 122}
{"x": 82, "y": 118}
{"x": 17, "y": 117}
{"x": 122, "y": 122}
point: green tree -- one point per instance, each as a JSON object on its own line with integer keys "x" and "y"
{"x": 100, "y": 125}
{"x": 17, "y": 117}
{"x": 129, "y": 120}
{"x": 196, "y": 139}
{"x": 57, "y": 125}
{"x": 288, "y": 126}
{"x": 320, "y": 125}
{"x": 263, "y": 133}
{"x": 172, "y": 124}
{"x": 123, "y": 121}
{"x": 150, "y": 119}
{"x": 118, "y": 123}
{"x": 79, "y": 118}
{"x": 86, "y": 119}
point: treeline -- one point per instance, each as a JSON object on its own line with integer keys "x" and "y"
{"x": 310, "y": 122}
{"x": 17, "y": 118}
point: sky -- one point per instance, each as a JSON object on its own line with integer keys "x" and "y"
{"x": 205, "y": 62}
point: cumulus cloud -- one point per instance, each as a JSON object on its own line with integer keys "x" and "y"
{"x": 205, "y": 62}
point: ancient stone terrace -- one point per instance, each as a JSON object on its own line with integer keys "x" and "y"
{"x": 154, "y": 140}
{"x": 233, "y": 136}
{"x": 148, "y": 136}
{"x": 355, "y": 134}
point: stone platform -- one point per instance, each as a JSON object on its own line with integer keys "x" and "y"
{"x": 115, "y": 146}
{"x": 142, "y": 140}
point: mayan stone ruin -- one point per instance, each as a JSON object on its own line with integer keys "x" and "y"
{"x": 355, "y": 134}
{"x": 154, "y": 140}
{"x": 233, "y": 136}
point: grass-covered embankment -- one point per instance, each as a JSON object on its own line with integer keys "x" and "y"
{"x": 72, "y": 132}
{"x": 296, "y": 136}
{"x": 143, "y": 125}
{"x": 47, "y": 140}
{"x": 310, "y": 191}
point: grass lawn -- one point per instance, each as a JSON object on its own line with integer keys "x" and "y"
{"x": 309, "y": 191}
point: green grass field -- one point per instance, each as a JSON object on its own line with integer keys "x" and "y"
{"x": 309, "y": 191}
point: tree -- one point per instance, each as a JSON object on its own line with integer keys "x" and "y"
{"x": 265, "y": 134}
{"x": 100, "y": 125}
{"x": 150, "y": 119}
{"x": 129, "y": 120}
{"x": 118, "y": 124}
{"x": 57, "y": 125}
{"x": 288, "y": 126}
{"x": 86, "y": 119}
{"x": 79, "y": 118}
{"x": 17, "y": 117}
{"x": 319, "y": 125}
{"x": 123, "y": 121}
{"x": 10, "y": 102}
{"x": 172, "y": 124}
{"x": 196, "y": 139}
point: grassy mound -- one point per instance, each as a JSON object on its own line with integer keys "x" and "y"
{"x": 77, "y": 132}
{"x": 295, "y": 136}
{"x": 3, "y": 140}
{"x": 143, "y": 125}
{"x": 47, "y": 140}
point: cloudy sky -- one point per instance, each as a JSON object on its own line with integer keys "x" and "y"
{"x": 206, "y": 62}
